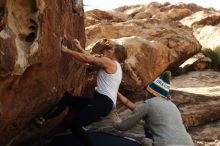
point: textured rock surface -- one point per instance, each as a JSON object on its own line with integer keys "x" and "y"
{"x": 171, "y": 34}
{"x": 154, "y": 10}
{"x": 203, "y": 20}
{"x": 197, "y": 95}
{"x": 206, "y": 26}
{"x": 33, "y": 72}
{"x": 204, "y": 17}
{"x": 202, "y": 83}
{"x": 208, "y": 36}
{"x": 96, "y": 16}
{"x": 162, "y": 11}
{"x": 207, "y": 135}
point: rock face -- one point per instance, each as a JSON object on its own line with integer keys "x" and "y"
{"x": 96, "y": 16}
{"x": 206, "y": 27}
{"x": 208, "y": 36}
{"x": 170, "y": 33}
{"x": 202, "y": 83}
{"x": 154, "y": 10}
{"x": 203, "y": 20}
{"x": 204, "y": 17}
{"x": 208, "y": 134}
{"x": 33, "y": 71}
{"x": 160, "y": 11}
{"x": 197, "y": 95}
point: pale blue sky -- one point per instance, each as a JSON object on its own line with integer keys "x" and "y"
{"x": 110, "y": 4}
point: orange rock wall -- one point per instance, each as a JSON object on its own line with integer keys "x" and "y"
{"x": 33, "y": 71}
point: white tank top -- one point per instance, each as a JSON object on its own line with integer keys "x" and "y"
{"x": 108, "y": 84}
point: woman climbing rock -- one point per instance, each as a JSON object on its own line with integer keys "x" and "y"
{"x": 90, "y": 109}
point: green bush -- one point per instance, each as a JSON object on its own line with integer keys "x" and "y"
{"x": 214, "y": 55}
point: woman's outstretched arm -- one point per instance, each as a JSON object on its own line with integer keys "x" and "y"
{"x": 103, "y": 62}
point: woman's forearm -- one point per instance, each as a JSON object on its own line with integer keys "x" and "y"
{"x": 83, "y": 51}
{"x": 125, "y": 101}
{"x": 86, "y": 58}
{"x": 130, "y": 105}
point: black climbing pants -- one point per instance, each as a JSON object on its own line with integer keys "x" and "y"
{"x": 87, "y": 109}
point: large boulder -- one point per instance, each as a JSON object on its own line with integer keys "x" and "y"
{"x": 172, "y": 34}
{"x": 208, "y": 134}
{"x": 206, "y": 27}
{"x": 197, "y": 96}
{"x": 200, "y": 18}
{"x": 165, "y": 11}
{"x": 209, "y": 36}
{"x": 96, "y": 16}
{"x": 33, "y": 71}
{"x": 154, "y": 10}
